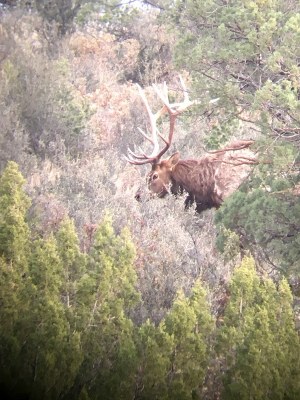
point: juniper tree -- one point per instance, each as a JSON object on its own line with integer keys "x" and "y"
{"x": 14, "y": 203}
{"x": 154, "y": 347}
{"x": 51, "y": 353}
{"x": 108, "y": 294}
{"x": 74, "y": 268}
{"x": 15, "y": 285}
{"x": 258, "y": 341}
{"x": 246, "y": 54}
{"x": 190, "y": 325}
{"x": 173, "y": 357}
{"x": 267, "y": 222}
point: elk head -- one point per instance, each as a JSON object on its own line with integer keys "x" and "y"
{"x": 160, "y": 176}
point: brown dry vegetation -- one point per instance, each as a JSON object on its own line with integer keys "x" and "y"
{"x": 68, "y": 116}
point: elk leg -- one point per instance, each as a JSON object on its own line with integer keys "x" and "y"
{"x": 189, "y": 201}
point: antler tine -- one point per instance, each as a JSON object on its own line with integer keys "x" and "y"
{"x": 173, "y": 110}
{"x": 135, "y": 162}
{"x": 163, "y": 95}
{"x": 145, "y": 136}
{"x": 186, "y": 102}
{"x": 133, "y": 155}
{"x": 184, "y": 89}
{"x": 142, "y": 157}
{"x": 153, "y": 118}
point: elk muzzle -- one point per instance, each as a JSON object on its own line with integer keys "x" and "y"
{"x": 138, "y": 195}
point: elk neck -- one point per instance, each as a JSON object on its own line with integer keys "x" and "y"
{"x": 186, "y": 171}
{"x": 195, "y": 177}
{"x": 182, "y": 169}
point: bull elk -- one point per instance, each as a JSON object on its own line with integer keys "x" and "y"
{"x": 208, "y": 180}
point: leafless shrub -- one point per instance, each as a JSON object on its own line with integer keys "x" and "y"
{"x": 47, "y": 212}
{"x": 174, "y": 247}
{"x": 13, "y": 139}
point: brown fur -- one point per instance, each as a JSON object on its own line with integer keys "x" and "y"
{"x": 207, "y": 181}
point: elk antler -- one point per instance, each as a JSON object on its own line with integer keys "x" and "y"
{"x": 173, "y": 109}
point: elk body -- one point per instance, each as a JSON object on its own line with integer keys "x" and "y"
{"x": 207, "y": 181}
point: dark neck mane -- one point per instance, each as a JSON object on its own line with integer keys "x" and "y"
{"x": 197, "y": 178}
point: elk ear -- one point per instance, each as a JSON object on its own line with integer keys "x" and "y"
{"x": 173, "y": 160}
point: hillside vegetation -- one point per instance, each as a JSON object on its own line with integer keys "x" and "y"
{"x": 104, "y": 297}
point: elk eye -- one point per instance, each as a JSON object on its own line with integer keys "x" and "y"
{"x": 154, "y": 176}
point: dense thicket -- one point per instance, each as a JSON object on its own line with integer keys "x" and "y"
{"x": 104, "y": 297}
{"x": 68, "y": 328}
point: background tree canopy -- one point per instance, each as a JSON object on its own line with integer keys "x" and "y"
{"x": 246, "y": 54}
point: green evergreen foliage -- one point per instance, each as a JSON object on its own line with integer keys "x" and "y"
{"x": 265, "y": 220}
{"x": 11, "y": 308}
{"x": 14, "y": 203}
{"x": 190, "y": 325}
{"x": 258, "y": 342}
{"x": 62, "y": 12}
{"x": 50, "y": 354}
{"x": 173, "y": 357}
{"x": 74, "y": 264}
{"x": 245, "y": 54}
{"x": 111, "y": 261}
{"x": 154, "y": 346}
{"x": 15, "y": 283}
{"x": 108, "y": 290}
{"x": 40, "y": 347}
